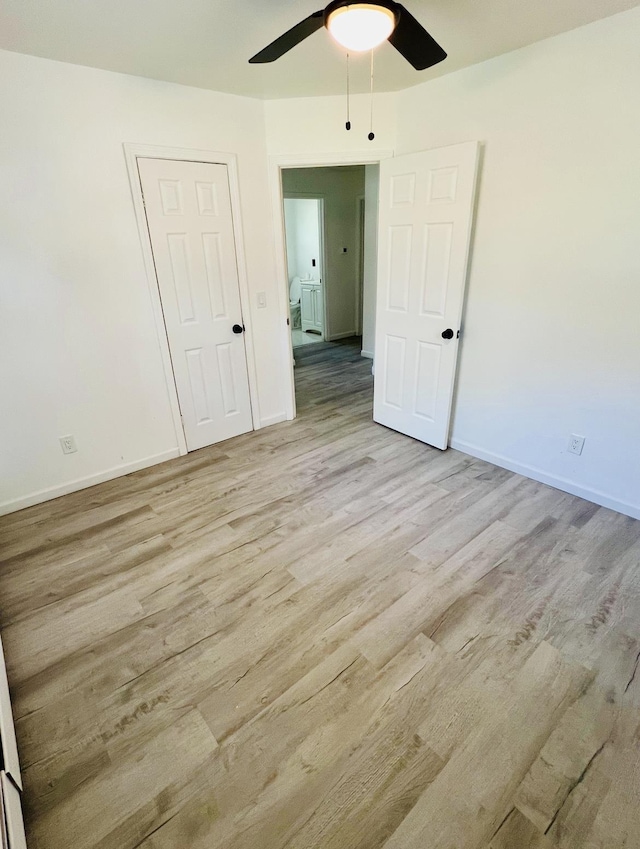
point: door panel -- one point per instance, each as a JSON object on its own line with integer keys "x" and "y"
{"x": 435, "y": 268}
{"x": 213, "y": 260}
{"x": 399, "y": 267}
{"x": 426, "y": 203}
{"x": 188, "y": 210}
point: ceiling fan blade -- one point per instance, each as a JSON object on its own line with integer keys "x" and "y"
{"x": 290, "y": 38}
{"x": 412, "y": 40}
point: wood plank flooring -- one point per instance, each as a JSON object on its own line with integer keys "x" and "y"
{"x": 325, "y": 634}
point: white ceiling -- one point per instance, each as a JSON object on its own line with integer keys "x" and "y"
{"x": 207, "y": 43}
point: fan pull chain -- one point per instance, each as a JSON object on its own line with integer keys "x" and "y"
{"x": 371, "y": 135}
{"x": 348, "y": 124}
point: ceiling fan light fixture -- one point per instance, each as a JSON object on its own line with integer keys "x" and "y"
{"x": 361, "y": 26}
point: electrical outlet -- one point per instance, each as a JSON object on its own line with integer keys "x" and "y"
{"x": 68, "y": 444}
{"x": 576, "y": 444}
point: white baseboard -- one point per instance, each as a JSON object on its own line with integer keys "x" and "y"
{"x": 83, "y": 483}
{"x": 536, "y": 474}
{"x": 335, "y": 336}
{"x": 368, "y": 354}
{"x": 271, "y": 420}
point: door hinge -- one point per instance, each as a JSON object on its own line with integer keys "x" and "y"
{"x": 287, "y": 322}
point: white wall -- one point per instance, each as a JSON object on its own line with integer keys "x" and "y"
{"x": 312, "y": 125}
{"x": 551, "y": 343}
{"x": 340, "y": 188}
{"x": 302, "y": 226}
{"x": 78, "y": 347}
{"x": 552, "y": 329}
{"x": 370, "y": 270}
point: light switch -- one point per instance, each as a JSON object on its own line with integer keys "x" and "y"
{"x": 262, "y": 300}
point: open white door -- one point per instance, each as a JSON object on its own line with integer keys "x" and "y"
{"x": 188, "y": 210}
{"x": 426, "y": 207}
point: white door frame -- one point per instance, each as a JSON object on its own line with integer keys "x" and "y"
{"x": 360, "y": 206}
{"x": 132, "y": 153}
{"x": 276, "y": 165}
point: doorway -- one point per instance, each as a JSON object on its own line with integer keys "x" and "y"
{"x": 304, "y": 228}
{"x": 425, "y": 221}
{"x": 326, "y": 244}
{"x": 327, "y": 201}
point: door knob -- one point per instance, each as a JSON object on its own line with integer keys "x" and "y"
{"x": 447, "y": 334}
{"x": 238, "y": 328}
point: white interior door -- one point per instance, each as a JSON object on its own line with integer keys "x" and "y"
{"x": 426, "y": 207}
{"x": 188, "y": 210}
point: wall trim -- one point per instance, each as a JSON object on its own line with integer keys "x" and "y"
{"x": 275, "y": 419}
{"x": 84, "y": 483}
{"x": 368, "y": 354}
{"x": 276, "y": 165}
{"x": 345, "y": 335}
{"x": 541, "y": 476}
{"x": 132, "y": 153}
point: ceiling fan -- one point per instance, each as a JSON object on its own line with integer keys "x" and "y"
{"x": 360, "y": 27}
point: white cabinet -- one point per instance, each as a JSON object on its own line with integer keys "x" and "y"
{"x": 307, "y": 306}
{"x": 311, "y": 311}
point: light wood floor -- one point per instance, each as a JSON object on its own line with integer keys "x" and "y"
{"x": 325, "y": 634}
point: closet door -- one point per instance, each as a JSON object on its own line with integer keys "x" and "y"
{"x": 188, "y": 209}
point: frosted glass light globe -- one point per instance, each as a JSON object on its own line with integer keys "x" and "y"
{"x": 361, "y": 26}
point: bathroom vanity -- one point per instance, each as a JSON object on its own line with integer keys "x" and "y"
{"x": 311, "y": 306}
